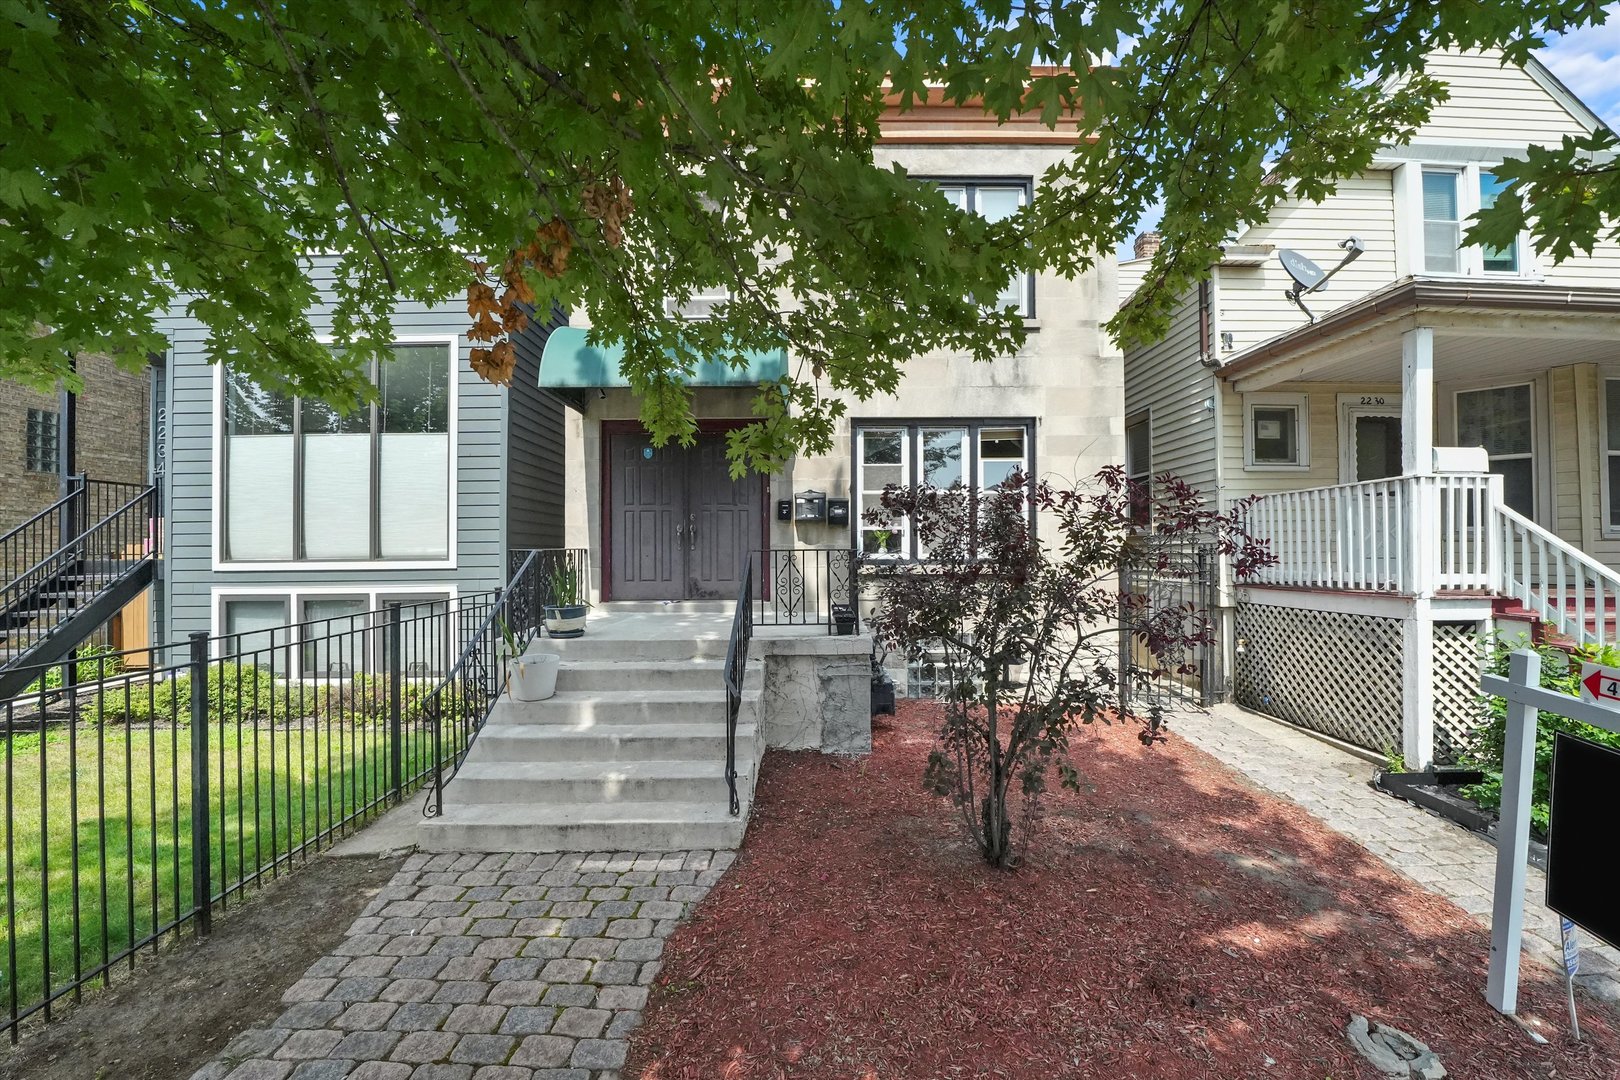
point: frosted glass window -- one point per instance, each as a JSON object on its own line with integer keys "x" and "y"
{"x": 304, "y": 481}
{"x": 337, "y": 480}
{"x": 248, "y": 628}
{"x": 1442, "y": 227}
{"x": 258, "y": 478}
{"x": 413, "y": 469}
{"x": 335, "y": 641}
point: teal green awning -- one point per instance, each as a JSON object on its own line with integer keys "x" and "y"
{"x": 568, "y": 363}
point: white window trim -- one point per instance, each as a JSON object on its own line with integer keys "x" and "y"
{"x": 216, "y": 524}
{"x": 1409, "y": 247}
{"x": 1539, "y": 456}
{"x": 1350, "y": 406}
{"x": 370, "y": 593}
{"x": 1605, "y": 492}
{"x": 1302, "y": 434}
{"x": 903, "y": 525}
{"x": 969, "y": 186}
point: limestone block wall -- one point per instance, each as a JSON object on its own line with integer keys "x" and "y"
{"x": 818, "y": 693}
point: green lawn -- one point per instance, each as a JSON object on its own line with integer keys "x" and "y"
{"x": 120, "y": 825}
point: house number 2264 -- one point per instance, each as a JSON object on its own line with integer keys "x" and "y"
{"x": 1368, "y": 399}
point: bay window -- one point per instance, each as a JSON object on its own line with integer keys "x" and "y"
{"x": 303, "y": 482}
{"x": 978, "y": 454}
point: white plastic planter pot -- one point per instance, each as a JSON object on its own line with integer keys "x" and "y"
{"x": 534, "y": 676}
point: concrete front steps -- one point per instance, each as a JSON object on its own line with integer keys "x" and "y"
{"x": 629, "y": 755}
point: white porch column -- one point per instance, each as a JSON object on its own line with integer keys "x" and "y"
{"x": 1417, "y": 689}
{"x": 1417, "y": 401}
{"x": 1417, "y": 630}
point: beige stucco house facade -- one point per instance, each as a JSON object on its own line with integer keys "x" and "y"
{"x": 1429, "y": 445}
{"x": 666, "y": 523}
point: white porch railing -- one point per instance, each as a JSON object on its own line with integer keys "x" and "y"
{"x": 1434, "y": 535}
{"x": 1369, "y": 536}
{"x": 1561, "y": 585}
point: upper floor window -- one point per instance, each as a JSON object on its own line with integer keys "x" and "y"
{"x": 305, "y": 482}
{"x": 702, "y": 303}
{"x": 995, "y": 201}
{"x": 41, "y": 452}
{"x": 1450, "y": 198}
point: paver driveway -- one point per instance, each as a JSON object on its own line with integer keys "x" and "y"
{"x": 484, "y": 967}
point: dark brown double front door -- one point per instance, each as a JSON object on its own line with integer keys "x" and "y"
{"x": 679, "y": 525}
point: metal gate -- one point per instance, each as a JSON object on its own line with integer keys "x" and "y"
{"x": 1175, "y": 580}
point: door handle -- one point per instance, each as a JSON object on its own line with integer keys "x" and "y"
{"x": 680, "y": 531}
{"x": 691, "y": 533}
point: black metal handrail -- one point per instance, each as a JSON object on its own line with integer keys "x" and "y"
{"x": 806, "y": 586}
{"x": 474, "y": 684}
{"x": 86, "y": 503}
{"x": 95, "y": 558}
{"x": 742, "y": 636}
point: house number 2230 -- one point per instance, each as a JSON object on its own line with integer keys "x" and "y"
{"x": 1368, "y": 399}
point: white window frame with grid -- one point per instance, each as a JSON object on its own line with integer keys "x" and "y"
{"x": 972, "y": 468}
{"x": 1301, "y": 406}
{"x": 1413, "y": 224}
{"x": 1019, "y": 293}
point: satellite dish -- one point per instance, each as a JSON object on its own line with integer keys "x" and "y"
{"x": 1306, "y": 274}
{"x": 1308, "y": 277}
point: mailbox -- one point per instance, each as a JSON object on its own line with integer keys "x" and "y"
{"x": 810, "y": 506}
{"x": 838, "y": 512}
{"x": 784, "y": 509}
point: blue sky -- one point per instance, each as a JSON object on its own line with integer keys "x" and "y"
{"x": 1587, "y": 61}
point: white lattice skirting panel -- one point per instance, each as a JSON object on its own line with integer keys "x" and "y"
{"x": 1332, "y": 672}
{"x": 1458, "y": 664}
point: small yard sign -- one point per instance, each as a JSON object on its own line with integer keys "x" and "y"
{"x": 1581, "y": 841}
{"x": 1600, "y": 685}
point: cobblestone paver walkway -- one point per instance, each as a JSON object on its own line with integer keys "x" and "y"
{"x": 1436, "y": 853}
{"x": 484, "y": 967}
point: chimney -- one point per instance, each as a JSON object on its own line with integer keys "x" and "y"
{"x": 1147, "y": 243}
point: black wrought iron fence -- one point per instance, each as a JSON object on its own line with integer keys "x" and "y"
{"x": 559, "y": 573}
{"x": 806, "y": 587}
{"x": 86, "y": 503}
{"x": 463, "y": 700}
{"x": 1168, "y": 643}
{"x": 137, "y": 799}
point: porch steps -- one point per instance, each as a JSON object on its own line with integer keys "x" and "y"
{"x": 628, "y": 755}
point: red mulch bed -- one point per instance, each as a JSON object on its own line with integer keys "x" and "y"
{"x": 1174, "y": 921}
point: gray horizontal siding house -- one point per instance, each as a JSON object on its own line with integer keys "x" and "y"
{"x": 281, "y": 510}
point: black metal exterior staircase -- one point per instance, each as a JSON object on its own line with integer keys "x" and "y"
{"x": 70, "y": 568}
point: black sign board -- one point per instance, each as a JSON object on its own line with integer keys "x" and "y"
{"x": 1583, "y": 836}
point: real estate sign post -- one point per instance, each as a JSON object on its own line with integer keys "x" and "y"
{"x": 1575, "y": 881}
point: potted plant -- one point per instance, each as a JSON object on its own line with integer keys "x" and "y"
{"x": 534, "y": 676}
{"x": 565, "y": 609}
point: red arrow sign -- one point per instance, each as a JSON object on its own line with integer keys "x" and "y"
{"x": 1601, "y": 685}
